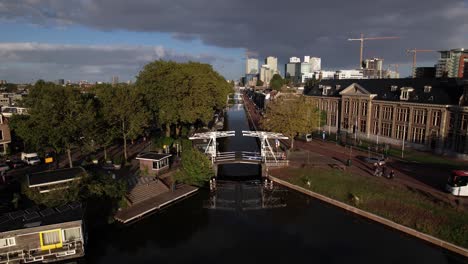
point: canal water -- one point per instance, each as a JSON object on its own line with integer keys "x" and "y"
{"x": 305, "y": 230}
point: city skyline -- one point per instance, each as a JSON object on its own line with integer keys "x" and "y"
{"x": 94, "y": 41}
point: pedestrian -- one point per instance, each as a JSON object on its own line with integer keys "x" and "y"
{"x": 376, "y": 169}
{"x": 323, "y": 135}
{"x": 392, "y": 174}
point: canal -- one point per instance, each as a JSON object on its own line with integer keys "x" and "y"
{"x": 305, "y": 230}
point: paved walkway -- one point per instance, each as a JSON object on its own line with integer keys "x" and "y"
{"x": 428, "y": 180}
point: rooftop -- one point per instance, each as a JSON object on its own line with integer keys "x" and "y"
{"x": 152, "y": 156}
{"x": 442, "y": 91}
{"x": 55, "y": 176}
{"x": 36, "y": 216}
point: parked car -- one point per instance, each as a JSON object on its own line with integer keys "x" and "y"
{"x": 15, "y": 163}
{"x": 30, "y": 158}
{"x": 375, "y": 161}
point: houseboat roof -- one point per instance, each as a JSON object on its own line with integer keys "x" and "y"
{"x": 36, "y": 216}
{"x": 152, "y": 156}
{"x": 55, "y": 176}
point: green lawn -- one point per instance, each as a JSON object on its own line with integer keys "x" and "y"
{"x": 400, "y": 205}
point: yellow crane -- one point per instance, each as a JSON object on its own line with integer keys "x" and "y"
{"x": 415, "y": 51}
{"x": 362, "y": 39}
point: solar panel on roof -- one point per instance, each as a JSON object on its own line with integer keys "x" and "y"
{"x": 75, "y": 205}
{"x": 32, "y": 210}
{"x": 31, "y": 216}
{"x": 63, "y": 208}
{"x": 17, "y": 214}
{"x": 4, "y": 219}
{"x": 47, "y": 212}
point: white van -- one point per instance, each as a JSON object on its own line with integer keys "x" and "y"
{"x": 30, "y": 158}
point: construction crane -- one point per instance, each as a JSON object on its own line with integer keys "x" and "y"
{"x": 362, "y": 38}
{"x": 415, "y": 51}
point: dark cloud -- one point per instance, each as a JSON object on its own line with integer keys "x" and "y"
{"x": 91, "y": 62}
{"x": 271, "y": 27}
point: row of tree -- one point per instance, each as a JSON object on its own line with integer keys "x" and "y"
{"x": 167, "y": 94}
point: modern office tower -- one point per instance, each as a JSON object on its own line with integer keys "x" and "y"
{"x": 452, "y": 64}
{"x": 272, "y": 63}
{"x": 251, "y": 66}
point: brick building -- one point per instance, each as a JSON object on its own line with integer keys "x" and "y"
{"x": 427, "y": 114}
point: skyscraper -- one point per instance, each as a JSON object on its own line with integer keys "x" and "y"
{"x": 373, "y": 68}
{"x": 452, "y": 63}
{"x": 272, "y": 63}
{"x": 251, "y": 66}
{"x": 115, "y": 80}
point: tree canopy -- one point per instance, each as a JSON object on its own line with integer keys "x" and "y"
{"x": 196, "y": 168}
{"x": 182, "y": 93}
{"x": 58, "y": 117}
{"x": 276, "y": 82}
{"x": 291, "y": 116}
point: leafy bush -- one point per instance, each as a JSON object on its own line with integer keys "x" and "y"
{"x": 196, "y": 168}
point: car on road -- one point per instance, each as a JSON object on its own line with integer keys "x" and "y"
{"x": 375, "y": 161}
{"x": 15, "y": 163}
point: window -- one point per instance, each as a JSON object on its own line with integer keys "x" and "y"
{"x": 420, "y": 116}
{"x": 345, "y": 123}
{"x": 364, "y": 109}
{"x": 1, "y": 134}
{"x": 51, "y": 239}
{"x": 355, "y": 108}
{"x": 402, "y": 114}
{"x": 464, "y": 122}
{"x": 387, "y": 112}
{"x": 418, "y": 135}
{"x": 401, "y": 131}
{"x": 160, "y": 164}
{"x": 72, "y": 234}
{"x": 386, "y": 129}
{"x": 375, "y": 128}
{"x": 427, "y": 89}
{"x": 393, "y": 88}
{"x": 7, "y": 242}
{"x": 404, "y": 95}
{"x": 436, "y": 116}
{"x": 362, "y": 126}
{"x": 375, "y": 111}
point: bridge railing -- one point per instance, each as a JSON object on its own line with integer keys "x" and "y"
{"x": 278, "y": 155}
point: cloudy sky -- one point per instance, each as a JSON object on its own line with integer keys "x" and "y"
{"x": 95, "y": 39}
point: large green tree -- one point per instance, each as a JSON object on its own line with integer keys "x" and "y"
{"x": 179, "y": 94}
{"x": 276, "y": 82}
{"x": 196, "y": 168}
{"x": 122, "y": 110}
{"x": 291, "y": 116}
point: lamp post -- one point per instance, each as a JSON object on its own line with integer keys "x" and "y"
{"x": 403, "y": 143}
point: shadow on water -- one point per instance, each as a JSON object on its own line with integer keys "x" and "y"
{"x": 306, "y": 230}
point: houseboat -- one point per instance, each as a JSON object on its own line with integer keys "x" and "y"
{"x": 42, "y": 235}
